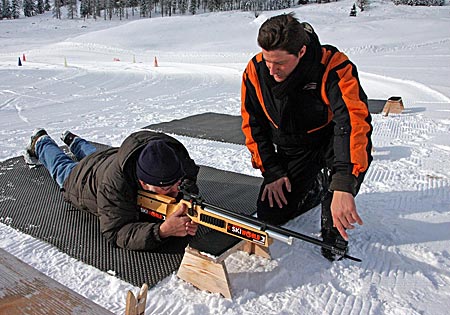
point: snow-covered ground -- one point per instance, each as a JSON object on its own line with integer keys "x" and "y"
{"x": 404, "y": 202}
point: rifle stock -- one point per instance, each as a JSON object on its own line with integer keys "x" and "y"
{"x": 235, "y": 224}
{"x": 160, "y": 207}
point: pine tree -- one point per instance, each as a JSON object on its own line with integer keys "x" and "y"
{"x": 166, "y": 7}
{"x": 109, "y": 9}
{"x": 119, "y": 5}
{"x": 182, "y": 6}
{"x": 143, "y": 8}
{"x": 47, "y": 6}
{"x": 353, "y": 10}
{"x": 71, "y": 9}
{"x": 5, "y": 10}
{"x": 84, "y": 9}
{"x": 133, "y": 4}
{"x": 15, "y": 9}
{"x": 361, "y": 4}
{"x": 99, "y": 5}
{"x": 29, "y": 8}
{"x": 40, "y": 6}
{"x": 57, "y": 9}
{"x": 193, "y": 7}
{"x": 213, "y": 5}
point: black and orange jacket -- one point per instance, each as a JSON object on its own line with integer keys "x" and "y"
{"x": 325, "y": 104}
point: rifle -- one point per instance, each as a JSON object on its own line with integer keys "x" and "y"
{"x": 235, "y": 224}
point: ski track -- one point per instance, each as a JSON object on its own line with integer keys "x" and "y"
{"x": 130, "y": 87}
{"x": 402, "y": 47}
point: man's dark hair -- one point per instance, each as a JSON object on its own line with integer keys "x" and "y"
{"x": 283, "y": 32}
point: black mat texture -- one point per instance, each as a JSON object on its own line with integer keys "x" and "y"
{"x": 210, "y": 126}
{"x": 221, "y": 127}
{"x": 376, "y": 106}
{"x": 30, "y": 201}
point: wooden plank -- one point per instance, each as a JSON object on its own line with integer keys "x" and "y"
{"x": 204, "y": 273}
{"x": 136, "y": 305}
{"x": 130, "y": 308}
{"x": 142, "y": 300}
{"x": 26, "y": 291}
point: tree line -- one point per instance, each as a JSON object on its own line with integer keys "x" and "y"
{"x": 11, "y": 9}
{"x": 123, "y": 9}
{"x": 107, "y": 9}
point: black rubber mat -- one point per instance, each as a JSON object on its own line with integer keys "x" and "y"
{"x": 376, "y": 106}
{"x": 210, "y": 126}
{"x": 221, "y": 127}
{"x": 30, "y": 201}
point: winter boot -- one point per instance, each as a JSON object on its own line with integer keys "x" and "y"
{"x": 37, "y": 134}
{"x": 330, "y": 234}
{"x": 333, "y": 238}
{"x": 67, "y": 137}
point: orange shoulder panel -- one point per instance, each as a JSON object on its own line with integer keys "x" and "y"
{"x": 358, "y": 112}
{"x": 357, "y": 109}
{"x": 329, "y": 60}
{"x": 250, "y": 74}
{"x": 253, "y": 77}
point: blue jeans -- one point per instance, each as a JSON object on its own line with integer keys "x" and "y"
{"x": 56, "y": 161}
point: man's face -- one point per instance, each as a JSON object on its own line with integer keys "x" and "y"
{"x": 171, "y": 190}
{"x": 281, "y": 63}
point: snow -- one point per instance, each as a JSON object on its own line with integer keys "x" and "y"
{"x": 404, "y": 201}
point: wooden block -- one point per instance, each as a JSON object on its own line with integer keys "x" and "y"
{"x": 136, "y": 305}
{"x": 142, "y": 300}
{"x": 130, "y": 308}
{"x": 256, "y": 249}
{"x": 204, "y": 273}
{"x": 27, "y": 291}
{"x": 209, "y": 273}
{"x": 393, "y": 105}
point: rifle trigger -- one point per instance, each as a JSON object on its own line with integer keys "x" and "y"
{"x": 191, "y": 210}
{"x": 263, "y": 227}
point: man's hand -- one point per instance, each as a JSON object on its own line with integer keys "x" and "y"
{"x": 178, "y": 224}
{"x": 274, "y": 190}
{"x": 343, "y": 211}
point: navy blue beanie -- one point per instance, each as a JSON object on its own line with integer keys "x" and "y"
{"x": 158, "y": 164}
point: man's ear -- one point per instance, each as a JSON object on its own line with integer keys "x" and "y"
{"x": 302, "y": 52}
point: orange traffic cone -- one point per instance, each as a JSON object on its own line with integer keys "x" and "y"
{"x": 23, "y": 58}
{"x": 155, "y": 62}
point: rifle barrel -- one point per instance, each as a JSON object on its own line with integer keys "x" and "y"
{"x": 273, "y": 231}
{"x": 238, "y": 219}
